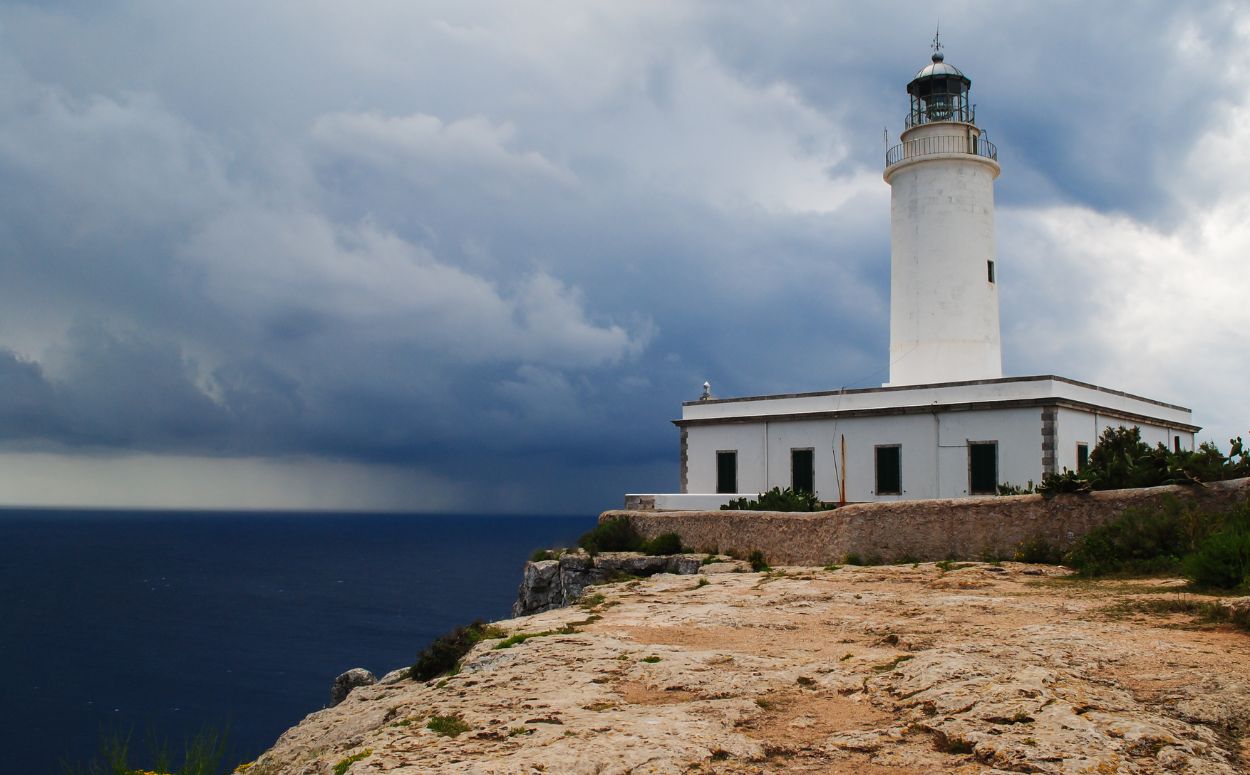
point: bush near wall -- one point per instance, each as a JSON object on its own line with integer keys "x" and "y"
{"x": 1211, "y": 548}
{"x": 777, "y": 499}
{"x": 1121, "y": 460}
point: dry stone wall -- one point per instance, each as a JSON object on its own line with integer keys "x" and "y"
{"x": 963, "y": 528}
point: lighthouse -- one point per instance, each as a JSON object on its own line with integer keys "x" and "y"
{"x": 943, "y": 285}
{"x": 948, "y": 424}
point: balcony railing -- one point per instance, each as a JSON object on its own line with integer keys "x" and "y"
{"x": 935, "y": 144}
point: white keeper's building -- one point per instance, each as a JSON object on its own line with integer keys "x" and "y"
{"x": 947, "y": 424}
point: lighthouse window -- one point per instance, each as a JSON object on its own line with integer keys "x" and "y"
{"x": 990, "y": 266}
{"x": 982, "y": 467}
{"x": 727, "y": 471}
{"x": 889, "y": 470}
{"x": 802, "y": 470}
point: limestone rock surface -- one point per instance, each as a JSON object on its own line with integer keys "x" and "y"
{"x": 349, "y": 680}
{"x": 549, "y": 584}
{"x": 899, "y": 669}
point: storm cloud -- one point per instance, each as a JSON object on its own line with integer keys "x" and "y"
{"x": 484, "y": 251}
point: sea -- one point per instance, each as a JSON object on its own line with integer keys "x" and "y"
{"x": 157, "y": 625}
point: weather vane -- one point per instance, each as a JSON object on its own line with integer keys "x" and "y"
{"x": 937, "y": 40}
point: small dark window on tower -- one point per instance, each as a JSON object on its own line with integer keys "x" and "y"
{"x": 983, "y": 467}
{"x": 889, "y": 470}
{"x": 802, "y": 470}
{"x": 989, "y": 265}
{"x": 727, "y": 471}
{"x": 1176, "y": 443}
{"x": 1082, "y": 456}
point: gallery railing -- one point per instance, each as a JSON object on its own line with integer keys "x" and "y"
{"x": 936, "y": 144}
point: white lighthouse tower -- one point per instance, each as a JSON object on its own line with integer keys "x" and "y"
{"x": 947, "y": 424}
{"x": 943, "y": 294}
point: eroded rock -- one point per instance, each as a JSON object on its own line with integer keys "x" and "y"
{"x": 349, "y": 680}
{"x": 550, "y": 584}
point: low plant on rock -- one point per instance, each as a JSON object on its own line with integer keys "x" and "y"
{"x": 444, "y": 654}
{"x": 448, "y": 726}
{"x": 1037, "y": 550}
{"x": 758, "y": 563}
{"x": 341, "y": 767}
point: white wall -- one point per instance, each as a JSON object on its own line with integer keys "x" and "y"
{"x": 929, "y": 469}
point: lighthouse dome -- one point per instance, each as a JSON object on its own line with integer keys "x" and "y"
{"x": 938, "y": 67}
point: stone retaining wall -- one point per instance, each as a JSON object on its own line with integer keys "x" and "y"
{"x": 963, "y": 528}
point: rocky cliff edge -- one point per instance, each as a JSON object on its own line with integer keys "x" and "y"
{"x": 967, "y": 668}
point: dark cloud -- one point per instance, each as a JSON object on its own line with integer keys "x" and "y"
{"x": 501, "y": 249}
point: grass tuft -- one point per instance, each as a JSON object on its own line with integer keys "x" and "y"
{"x": 758, "y": 563}
{"x": 448, "y": 726}
{"x": 343, "y": 764}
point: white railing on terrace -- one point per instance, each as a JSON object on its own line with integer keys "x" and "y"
{"x": 929, "y": 146}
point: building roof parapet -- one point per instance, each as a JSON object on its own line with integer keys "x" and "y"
{"x": 888, "y": 389}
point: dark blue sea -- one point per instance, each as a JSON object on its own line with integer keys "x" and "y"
{"x": 159, "y": 624}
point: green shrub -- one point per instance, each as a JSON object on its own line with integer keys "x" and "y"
{"x": 1037, "y": 550}
{"x": 1152, "y": 541}
{"x": 663, "y": 545}
{"x": 777, "y": 499}
{"x": 444, "y": 654}
{"x": 1140, "y": 540}
{"x": 852, "y": 558}
{"x": 1222, "y": 560}
{"x": 612, "y": 535}
{"x": 540, "y": 555}
{"x": 758, "y": 563}
{"x": 1121, "y": 460}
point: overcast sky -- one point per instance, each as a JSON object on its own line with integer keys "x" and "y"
{"x": 472, "y": 256}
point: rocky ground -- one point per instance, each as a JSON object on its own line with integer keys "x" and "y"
{"x": 972, "y": 668}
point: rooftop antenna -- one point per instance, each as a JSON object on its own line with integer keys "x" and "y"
{"x": 937, "y": 39}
